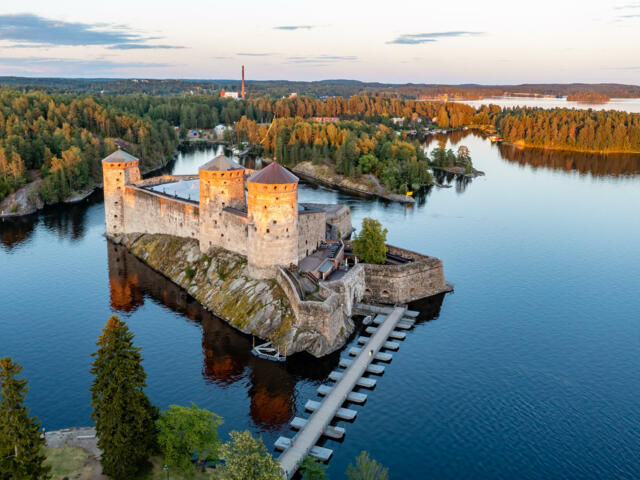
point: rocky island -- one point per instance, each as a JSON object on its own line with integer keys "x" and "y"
{"x": 242, "y": 245}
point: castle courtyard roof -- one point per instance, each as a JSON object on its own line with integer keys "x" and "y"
{"x": 221, "y": 163}
{"x": 274, "y": 173}
{"x": 120, "y": 156}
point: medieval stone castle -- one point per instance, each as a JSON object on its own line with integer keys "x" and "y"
{"x": 267, "y": 225}
{"x": 302, "y": 246}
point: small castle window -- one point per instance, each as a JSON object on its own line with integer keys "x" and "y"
{"x": 265, "y": 207}
{"x": 275, "y": 187}
{"x": 215, "y": 222}
{"x": 275, "y": 223}
{"x": 277, "y": 199}
{"x": 267, "y": 230}
{"x": 222, "y": 234}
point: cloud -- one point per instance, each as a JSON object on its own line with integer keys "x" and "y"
{"x": 221, "y": 58}
{"x": 35, "y": 30}
{"x": 629, "y": 16}
{"x": 322, "y": 59}
{"x": 631, "y": 5}
{"x": 249, "y": 54}
{"x": 418, "y": 38}
{"x": 70, "y": 66}
{"x": 294, "y": 27}
{"x": 140, "y": 46}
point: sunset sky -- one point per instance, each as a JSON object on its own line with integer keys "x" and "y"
{"x": 412, "y": 41}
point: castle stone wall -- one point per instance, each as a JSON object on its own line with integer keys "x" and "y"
{"x": 311, "y": 231}
{"x": 150, "y": 212}
{"x": 325, "y": 317}
{"x": 232, "y": 232}
{"x": 351, "y": 288}
{"x": 404, "y": 283}
{"x": 339, "y": 221}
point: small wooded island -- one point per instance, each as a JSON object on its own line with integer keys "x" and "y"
{"x": 588, "y": 97}
{"x": 270, "y": 266}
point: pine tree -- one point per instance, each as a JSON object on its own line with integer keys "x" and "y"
{"x": 21, "y": 443}
{"x": 124, "y": 416}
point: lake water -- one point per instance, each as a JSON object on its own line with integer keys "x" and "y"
{"x": 625, "y": 104}
{"x": 530, "y": 369}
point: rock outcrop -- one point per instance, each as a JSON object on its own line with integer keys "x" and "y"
{"x": 220, "y": 281}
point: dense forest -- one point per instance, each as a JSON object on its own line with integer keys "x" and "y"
{"x": 62, "y": 139}
{"x": 322, "y": 88}
{"x": 206, "y": 111}
{"x": 569, "y": 129}
{"x": 352, "y": 148}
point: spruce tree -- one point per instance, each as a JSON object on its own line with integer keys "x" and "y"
{"x": 124, "y": 416}
{"x": 21, "y": 443}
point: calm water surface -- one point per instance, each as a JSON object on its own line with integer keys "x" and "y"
{"x": 625, "y": 104}
{"x": 530, "y": 369}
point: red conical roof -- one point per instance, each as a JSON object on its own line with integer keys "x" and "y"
{"x": 273, "y": 173}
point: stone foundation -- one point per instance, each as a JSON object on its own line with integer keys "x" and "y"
{"x": 395, "y": 284}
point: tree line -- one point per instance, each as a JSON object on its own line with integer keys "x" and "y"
{"x": 352, "y": 148}
{"x": 322, "y": 88}
{"x": 571, "y": 129}
{"x": 63, "y": 138}
{"x": 130, "y": 429}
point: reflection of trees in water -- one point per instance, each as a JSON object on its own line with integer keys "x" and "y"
{"x": 598, "y": 165}
{"x": 16, "y": 230}
{"x": 454, "y": 137}
{"x": 227, "y": 356}
{"x": 446, "y": 178}
{"x": 67, "y": 220}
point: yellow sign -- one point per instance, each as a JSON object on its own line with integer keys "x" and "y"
{"x": 409, "y": 194}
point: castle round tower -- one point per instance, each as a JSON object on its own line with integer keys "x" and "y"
{"x": 273, "y": 220}
{"x": 118, "y": 170}
{"x": 221, "y": 186}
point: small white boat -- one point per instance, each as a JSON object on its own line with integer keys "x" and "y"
{"x": 267, "y": 352}
{"x": 367, "y": 320}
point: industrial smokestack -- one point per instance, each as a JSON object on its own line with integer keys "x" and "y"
{"x": 243, "y": 82}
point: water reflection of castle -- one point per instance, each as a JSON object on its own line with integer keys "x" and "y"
{"x": 226, "y": 352}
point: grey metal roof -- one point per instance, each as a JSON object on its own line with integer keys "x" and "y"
{"x": 120, "y": 156}
{"x": 274, "y": 173}
{"x": 221, "y": 163}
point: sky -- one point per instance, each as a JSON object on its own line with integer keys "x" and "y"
{"x": 453, "y": 42}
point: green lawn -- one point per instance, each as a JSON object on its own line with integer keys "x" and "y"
{"x": 72, "y": 463}
{"x": 76, "y": 464}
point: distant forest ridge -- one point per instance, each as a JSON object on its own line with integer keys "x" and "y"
{"x": 345, "y": 88}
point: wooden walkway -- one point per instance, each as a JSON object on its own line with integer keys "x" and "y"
{"x": 331, "y": 406}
